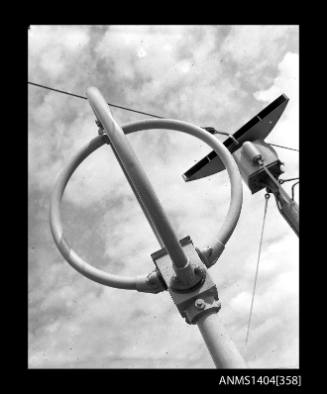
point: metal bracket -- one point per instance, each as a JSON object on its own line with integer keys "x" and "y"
{"x": 254, "y": 160}
{"x": 193, "y": 302}
{"x": 153, "y": 284}
{"x": 101, "y": 131}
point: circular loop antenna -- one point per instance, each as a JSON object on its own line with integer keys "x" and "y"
{"x": 141, "y": 283}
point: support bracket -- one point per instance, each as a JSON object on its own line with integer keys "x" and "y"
{"x": 197, "y": 300}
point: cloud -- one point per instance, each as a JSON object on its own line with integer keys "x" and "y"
{"x": 56, "y": 47}
{"x": 256, "y": 48}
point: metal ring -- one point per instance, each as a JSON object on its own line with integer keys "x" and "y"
{"x": 142, "y": 282}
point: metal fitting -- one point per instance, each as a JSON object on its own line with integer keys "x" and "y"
{"x": 153, "y": 284}
{"x": 98, "y": 123}
{"x": 183, "y": 279}
{"x": 186, "y": 277}
{"x": 198, "y": 270}
{"x": 199, "y": 303}
{"x": 192, "y": 302}
{"x": 208, "y": 257}
{"x": 208, "y": 303}
{"x": 101, "y": 129}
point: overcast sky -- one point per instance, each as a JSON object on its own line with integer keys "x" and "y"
{"x": 218, "y": 76}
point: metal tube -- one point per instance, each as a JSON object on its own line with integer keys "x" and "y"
{"x": 288, "y": 208}
{"x": 138, "y": 177}
{"x": 139, "y": 199}
{"x": 223, "y": 351}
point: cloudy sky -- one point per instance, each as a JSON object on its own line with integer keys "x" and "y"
{"x": 216, "y": 76}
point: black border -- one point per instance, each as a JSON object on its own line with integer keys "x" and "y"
{"x": 146, "y": 380}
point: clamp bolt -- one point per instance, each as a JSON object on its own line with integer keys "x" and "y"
{"x": 100, "y": 127}
{"x": 199, "y": 303}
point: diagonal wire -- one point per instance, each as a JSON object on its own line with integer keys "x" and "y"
{"x": 85, "y": 98}
{"x": 288, "y": 180}
{"x": 267, "y": 196}
{"x": 212, "y": 130}
{"x": 284, "y": 147}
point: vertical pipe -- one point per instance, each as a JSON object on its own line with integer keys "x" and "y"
{"x": 223, "y": 351}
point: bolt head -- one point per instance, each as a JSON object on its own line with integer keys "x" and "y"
{"x": 199, "y": 303}
{"x": 198, "y": 270}
{"x": 176, "y": 279}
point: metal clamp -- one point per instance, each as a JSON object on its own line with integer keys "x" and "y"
{"x": 192, "y": 302}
